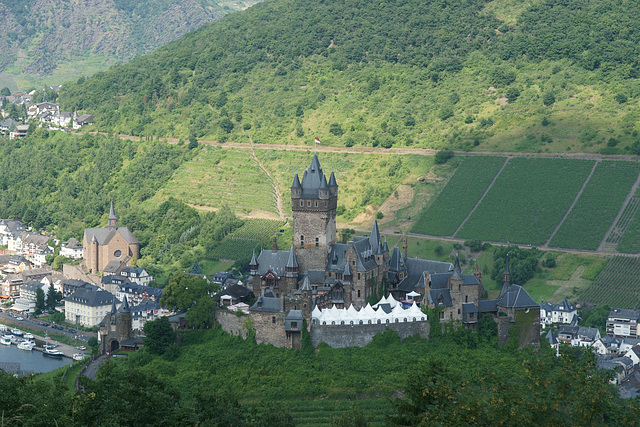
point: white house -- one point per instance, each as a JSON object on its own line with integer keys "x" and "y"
{"x": 557, "y": 313}
{"x": 623, "y": 323}
{"x": 136, "y": 275}
{"x": 72, "y": 248}
{"x": 9, "y": 230}
{"x": 88, "y": 305}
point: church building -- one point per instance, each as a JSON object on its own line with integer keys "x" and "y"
{"x": 107, "y": 244}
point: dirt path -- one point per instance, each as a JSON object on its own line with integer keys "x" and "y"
{"x": 273, "y": 182}
{"x": 575, "y": 200}
{"x": 483, "y": 194}
{"x": 380, "y": 150}
{"x": 632, "y": 193}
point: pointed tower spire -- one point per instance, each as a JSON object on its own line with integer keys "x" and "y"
{"x": 125, "y": 306}
{"x": 292, "y": 262}
{"x": 332, "y": 180}
{"x": 385, "y": 248}
{"x": 346, "y": 275}
{"x": 375, "y": 236}
{"x": 114, "y": 309}
{"x": 457, "y": 271}
{"x": 306, "y": 285}
{"x": 506, "y": 277}
{"x": 111, "y": 221}
{"x": 296, "y": 182}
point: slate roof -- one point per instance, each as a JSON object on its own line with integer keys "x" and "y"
{"x": 276, "y": 261}
{"x": 469, "y": 307}
{"x": 72, "y": 243}
{"x": 114, "y": 279}
{"x": 313, "y": 179}
{"x": 517, "y": 298}
{"x": 91, "y": 296}
{"x": 137, "y": 310}
{"x": 415, "y": 274}
{"x": 113, "y": 267}
{"x": 130, "y": 271}
{"x": 129, "y": 287}
{"x": 440, "y": 297}
{"x": 487, "y": 306}
{"x": 267, "y": 302}
{"x": 396, "y": 263}
{"x": 292, "y": 261}
{"x": 565, "y": 306}
{"x": 234, "y": 291}
{"x": 551, "y": 337}
{"x": 624, "y": 313}
{"x": 105, "y": 234}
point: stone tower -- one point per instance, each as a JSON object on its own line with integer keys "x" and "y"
{"x": 314, "y": 201}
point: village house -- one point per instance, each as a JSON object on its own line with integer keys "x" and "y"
{"x": 88, "y": 305}
{"x": 72, "y": 248}
{"x": 136, "y": 275}
{"x": 623, "y": 323}
{"x": 563, "y": 312}
{"x": 27, "y": 300}
{"x": 10, "y": 229}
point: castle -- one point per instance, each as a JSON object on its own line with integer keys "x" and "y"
{"x": 317, "y": 272}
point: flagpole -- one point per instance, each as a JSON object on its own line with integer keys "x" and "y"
{"x": 315, "y": 144}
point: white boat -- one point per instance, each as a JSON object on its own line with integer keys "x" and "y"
{"x": 6, "y": 339}
{"x": 3, "y": 328}
{"x": 26, "y": 345}
{"x": 78, "y": 356}
{"x": 29, "y": 336}
{"x": 52, "y": 353}
{"x": 17, "y": 332}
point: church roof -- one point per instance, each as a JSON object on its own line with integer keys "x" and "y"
{"x": 112, "y": 212}
{"x": 516, "y": 297}
{"x": 104, "y": 235}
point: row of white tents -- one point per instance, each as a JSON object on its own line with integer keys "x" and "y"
{"x": 369, "y": 315}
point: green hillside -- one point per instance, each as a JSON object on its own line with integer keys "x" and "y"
{"x": 55, "y": 41}
{"x": 469, "y": 74}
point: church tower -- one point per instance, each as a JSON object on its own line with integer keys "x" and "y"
{"x": 111, "y": 221}
{"x": 314, "y": 201}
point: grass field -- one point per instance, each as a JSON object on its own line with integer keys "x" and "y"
{"x": 617, "y": 284}
{"x": 460, "y": 195}
{"x": 597, "y": 206}
{"x": 216, "y": 177}
{"x": 363, "y": 179}
{"x": 527, "y": 201}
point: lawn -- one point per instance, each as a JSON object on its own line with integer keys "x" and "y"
{"x": 459, "y": 196}
{"x": 597, "y": 206}
{"x": 527, "y": 200}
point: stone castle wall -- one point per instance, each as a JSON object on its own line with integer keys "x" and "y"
{"x": 231, "y": 323}
{"x": 341, "y": 336}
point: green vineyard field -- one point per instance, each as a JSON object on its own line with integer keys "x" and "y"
{"x": 527, "y": 200}
{"x": 617, "y": 284}
{"x": 460, "y": 195}
{"x": 597, "y": 206}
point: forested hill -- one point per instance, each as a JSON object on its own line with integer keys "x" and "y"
{"x": 547, "y": 75}
{"x": 69, "y": 38}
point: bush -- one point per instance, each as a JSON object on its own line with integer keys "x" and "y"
{"x": 336, "y": 129}
{"x": 446, "y": 112}
{"x": 620, "y": 98}
{"x": 443, "y": 156}
{"x": 545, "y": 121}
{"x": 379, "y": 215}
{"x": 548, "y": 98}
{"x": 549, "y": 262}
{"x": 512, "y": 93}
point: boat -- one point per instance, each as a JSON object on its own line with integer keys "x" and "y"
{"x": 78, "y": 356}
{"x": 3, "y": 328}
{"x": 52, "y": 353}
{"x": 6, "y": 339}
{"x": 29, "y": 336}
{"x": 17, "y": 332}
{"x": 26, "y": 345}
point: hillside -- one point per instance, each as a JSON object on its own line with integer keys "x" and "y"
{"x": 468, "y": 74}
{"x": 53, "y": 41}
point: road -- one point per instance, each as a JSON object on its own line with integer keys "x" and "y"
{"x": 35, "y": 325}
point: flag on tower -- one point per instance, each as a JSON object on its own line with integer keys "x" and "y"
{"x": 317, "y": 141}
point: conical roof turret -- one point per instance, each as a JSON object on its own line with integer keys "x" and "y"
{"x": 292, "y": 262}
{"x": 296, "y": 183}
{"x": 254, "y": 261}
{"x": 457, "y": 271}
{"x": 347, "y": 269}
{"x": 112, "y": 215}
{"x": 306, "y": 285}
{"x": 385, "y": 248}
{"x": 332, "y": 180}
{"x": 114, "y": 309}
{"x": 125, "y": 306}
{"x": 374, "y": 239}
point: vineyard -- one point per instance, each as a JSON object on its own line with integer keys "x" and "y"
{"x": 527, "y": 200}
{"x": 321, "y": 412}
{"x": 597, "y": 206}
{"x": 252, "y": 236}
{"x": 216, "y": 177}
{"x": 628, "y": 228}
{"x": 617, "y": 284}
{"x": 459, "y": 196}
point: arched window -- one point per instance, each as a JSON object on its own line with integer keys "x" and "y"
{"x": 316, "y": 204}
{"x": 301, "y": 240}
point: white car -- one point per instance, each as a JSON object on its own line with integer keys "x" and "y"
{"x": 19, "y": 318}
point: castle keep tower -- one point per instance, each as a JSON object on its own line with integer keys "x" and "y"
{"x": 314, "y": 202}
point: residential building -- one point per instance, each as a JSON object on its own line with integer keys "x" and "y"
{"x": 88, "y": 305}
{"x": 27, "y": 300}
{"x": 623, "y": 323}
{"x": 136, "y": 293}
{"x": 136, "y": 275}
{"x": 72, "y": 248}
{"x": 563, "y": 312}
{"x": 9, "y": 228}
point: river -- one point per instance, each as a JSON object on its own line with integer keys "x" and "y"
{"x": 31, "y": 360}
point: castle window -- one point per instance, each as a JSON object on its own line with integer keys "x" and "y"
{"x": 458, "y": 311}
{"x": 301, "y": 203}
{"x": 317, "y": 241}
{"x": 273, "y": 319}
{"x": 358, "y": 276}
{"x": 301, "y": 240}
{"x": 316, "y": 204}
{"x": 442, "y": 314}
{"x": 308, "y": 203}
{"x": 358, "y": 293}
{"x": 466, "y": 298}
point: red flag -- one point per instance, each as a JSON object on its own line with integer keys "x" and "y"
{"x": 317, "y": 141}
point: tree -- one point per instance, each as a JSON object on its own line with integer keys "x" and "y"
{"x": 159, "y": 335}
{"x": 195, "y": 268}
{"x": 200, "y": 315}
{"x": 53, "y": 298}
{"x": 184, "y": 290}
{"x": 522, "y": 263}
{"x": 5, "y": 91}
{"x": 548, "y": 98}
{"x": 443, "y": 156}
{"x": 40, "y": 305}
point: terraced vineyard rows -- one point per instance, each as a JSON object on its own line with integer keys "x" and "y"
{"x": 597, "y": 206}
{"x": 253, "y": 235}
{"x": 617, "y": 285}
{"x": 527, "y": 201}
{"x": 624, "y": 221}
{"x": 460, "y": 195}
{"x": 320, "y": 412}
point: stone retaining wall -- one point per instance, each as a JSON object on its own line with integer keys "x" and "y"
{"x": 341, "y": 336}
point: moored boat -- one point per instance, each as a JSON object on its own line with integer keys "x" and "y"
{"x": 26, "y": 345}
{"x": 78, "y": 356}
{"x": 6, "y": 339}
{"x": 17, "y": 332}
{"x": 52, "y": 353}
{"x": 29, "y": 336}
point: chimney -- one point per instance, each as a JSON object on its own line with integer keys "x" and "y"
{"x": 274, "y": 246}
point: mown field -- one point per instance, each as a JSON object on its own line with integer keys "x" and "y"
{"x": 460, "y": 195}
{"x": 527, "y": 201}
{"x": 617, "y": 285}
{"x": 598, "y": 205}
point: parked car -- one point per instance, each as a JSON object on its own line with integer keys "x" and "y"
{"x": 73, "y": 331}
{"x": 20, "y": 318}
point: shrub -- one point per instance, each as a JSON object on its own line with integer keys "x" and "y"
{"x": 443, "y": 156}
{"x": 446, "y": 112}
{"x": 548, "y": 98}
{"x": 620, "y": 98}
{"x": 545, "y": 121}
{"x": 512, "y": 93}
{"x": 336, "y": 129}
